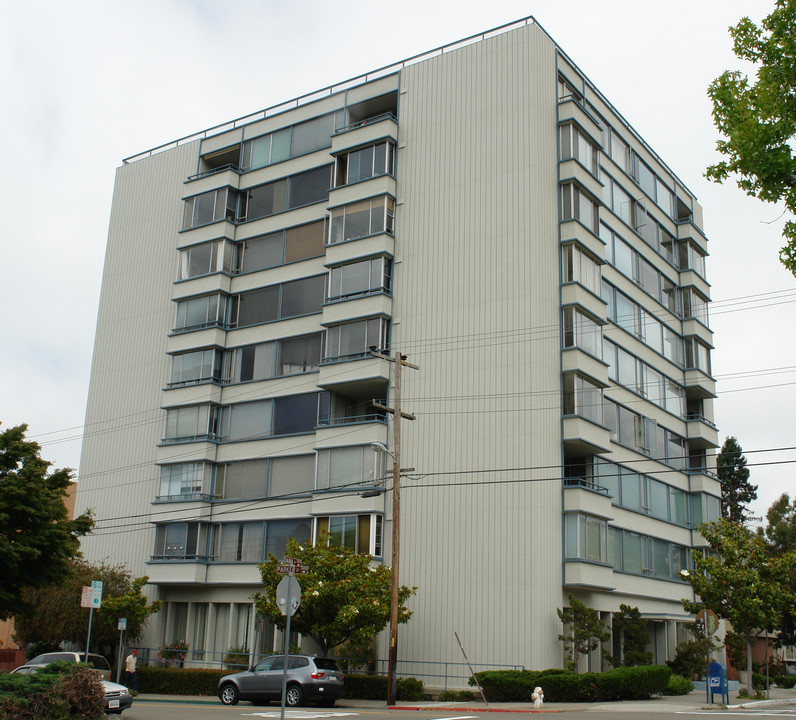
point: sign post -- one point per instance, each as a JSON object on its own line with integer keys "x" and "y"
{"x": 707, "y": 622}
{"x": 288, "y": 599}
{"x": 91, "y": 598}
{"x": 121, "y": 627}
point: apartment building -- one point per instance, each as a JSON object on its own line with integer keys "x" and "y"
{"x": 482, "y": 209}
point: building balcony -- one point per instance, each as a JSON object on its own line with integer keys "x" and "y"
{"x": 575, "y": 359}
{"x": 203, "y": 233}
{"x": 703, "y": 479}
{"x": 360, "y": 376}
{"x": 692, "y": 326}
{"x": 701, "y": 432}
{"x": 699, "y": 384}
{"x": 572, "y": 170}
{"x": 226, "y": 176}
{"x": 378, "y": 244}
{"x": 175, "y": 570}
{"x": 588, "y": 575}
{"x": 573, "y": 293}
{"x": 687, "y": 230}
{"x": 584, "y": 437}
{"x": 574, "y": 230}
{"x": 365, "y": 132}
{"x": 582, "y": 495}
{"x": 380, "y": 185}
{"x": 571, "y": 109}
{"x": 689, "y": 278}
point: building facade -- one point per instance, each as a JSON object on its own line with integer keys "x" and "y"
{"x": 482, "y": 209}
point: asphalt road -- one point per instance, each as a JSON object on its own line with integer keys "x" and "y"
{"x": 245, "y": 711}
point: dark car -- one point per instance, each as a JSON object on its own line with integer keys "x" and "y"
{"x": 308, "y": 678}
{"x": 117, "y": 697}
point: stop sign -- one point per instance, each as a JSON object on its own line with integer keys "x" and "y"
{"x": 288, "y": 595}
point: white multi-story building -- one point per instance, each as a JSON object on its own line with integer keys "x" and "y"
{"x": 482, "y": 209}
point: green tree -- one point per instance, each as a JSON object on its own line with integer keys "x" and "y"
{"x": 736, "y": 490}
{"x": 37, "y": 539}
{"x": 633, "y": 630}
{"x": 740, "y": 581}
{"x": 343, "y": 595}
{"x": 583, "y": 631}
{"x": 759, "y": 120}
{"x": 55, "y": 614}
{"x": 780, "y": 537}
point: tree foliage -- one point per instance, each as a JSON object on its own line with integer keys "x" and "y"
{"x": 780, "y": 537}
{"x": 55, "y": 614}
{"x": 758, "y": 119}
{"x": 583, "y": 633}
{"x": 736, "y": 490}
{"x": 343, "y": 595}
{"x": 741, "y": 581}
{"x": 635, "y": 638}
{"x": 37, "y": 539}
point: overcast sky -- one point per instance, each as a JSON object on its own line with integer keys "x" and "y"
{"x": 85, "y": 84}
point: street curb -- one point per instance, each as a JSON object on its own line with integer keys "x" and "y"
{"x": 187, "y": 699}
{"x": 760, "y": 703}
{"x": 449, "y": 708}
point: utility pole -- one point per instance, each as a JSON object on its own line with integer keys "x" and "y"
{"x": 399, "y": 361}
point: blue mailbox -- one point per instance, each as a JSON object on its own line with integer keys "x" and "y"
{"x": 717, "y": 682}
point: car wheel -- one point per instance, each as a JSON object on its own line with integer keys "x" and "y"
{"x": 229, "y": 695}
{"x": 294, "y": 696}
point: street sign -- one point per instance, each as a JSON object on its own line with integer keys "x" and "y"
{"x": 96, "y": 588}
{"x": 291, "y": 565}
{"x": 122, "y": 624}
{"x": 288, "y": 595}
{"x": 707, "y": 622}
{"x": 87, "y": 597}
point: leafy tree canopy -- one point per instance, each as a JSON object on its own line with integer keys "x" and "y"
{"x": 37, "y": 539}
{"x": 343, "y": 596}
{"x": 736, "y": 490}
{"x": 635, "y": 638}
{"x": 759, "y": 120}
{"x": 55, "y": 614}
{"x": 740, "y": 581}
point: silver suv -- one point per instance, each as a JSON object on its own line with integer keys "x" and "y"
{"x": 98, "y": 662}
{"x": 308, "y": 678}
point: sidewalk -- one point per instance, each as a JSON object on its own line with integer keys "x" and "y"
{"x": 696, "y": 700}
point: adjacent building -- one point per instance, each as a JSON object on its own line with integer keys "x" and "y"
{"x": 484, "y": 210}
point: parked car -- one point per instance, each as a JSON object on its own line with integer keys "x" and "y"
{"x": 117, "y": 697}
{"x": 308, "y": 678}
{"x": 98, "y": 662}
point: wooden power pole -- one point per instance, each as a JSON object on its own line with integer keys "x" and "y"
{"x": 398, "y": 361}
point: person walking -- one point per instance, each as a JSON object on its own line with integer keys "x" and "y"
{"x": 130, "y": 676}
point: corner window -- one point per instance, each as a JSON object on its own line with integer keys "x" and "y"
{"x": 360, "y": 219}
{"x": 576, "y": 144}
{"x": 185, "y": 481}
{"x": 210, "y": 207}
{"x": 350, "y": 341}
{"x": 200, "y": 312}
{"x": 361, "y": 533}
{"x": 575, "y": 203}
{"x": 581, "y": 331}
{"x": 204, "y": 259}
{"x": 191, "y": 423}
{"x": 196, "y": 367}
{"x": 180, "y": 541}
{"x": 580, "y": 267}
{"x": 365, "y": 277}
{"x": 583, "y": 398}
{"x": 365, "y": 163}
{"x": 347, "y": 467}
{"x": 586, "y": 538}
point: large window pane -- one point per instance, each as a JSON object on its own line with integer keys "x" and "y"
{"x": 299, "y": 354}
{"x": 291, "y": 475}
{"x": 304, "y": 241}
{"x": 302, "y": 297}
{"x": 278, "y": 532}
{"x": 249, "y": 420}
{"x": 265, "y": 200}
{"x": 633, "y": 548}
{"x": 295, "y": 414}
{"x": 261, "y": 252}
{"x": 312, "y": 135}
{"x": 309, "y": 187}
{"x": 246, "y": 479}
{"x": 258, "y": 306}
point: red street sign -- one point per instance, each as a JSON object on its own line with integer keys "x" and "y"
{"x": 291, "y": 565}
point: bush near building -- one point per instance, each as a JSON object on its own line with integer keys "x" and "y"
{"x": 624, "y": 683}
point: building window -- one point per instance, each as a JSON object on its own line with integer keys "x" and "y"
{"x": 185, "y": 481}
{"x": 364, "y": 277}
{"x": 278, "y": 302}
{"x": 361, "y": 533}
{"x": 238, "y": 542}
{"x": 575, "y": 203}
{"x": 200, "y": 312}
{"x": 576, "y": 144}
{"x": 643, "y": 555}
{"x": 288, "y": 415}
{"x": 582, "y": 332}
{"x": 348, "y": 467}
{"x": 285, "y": 194}
{"x": 204, "y": 259}
{"x": 697, "y": 355}
{"x": 586, "y": 538}
{"x": 277, "y": 358}
{"x": 180, "y": 541}
{"x": 365, "y": 163}
{"x": 196, "y": 367}
{"x": 210, "y": 207}
{"x": 278, "y": 532}
{"x": 695, "y": 306}
{"x": 285, "y": 246}
{"x": 583, "y": 398}
{"x": 352, "y": 340}
{"x": 271, "y": 477}
{"x": 691, "y": 259}
{"x": 191, "y": 423}
{"x": 361, "y": 219}
{"x": 578, "y": 266}
{"x": 619, "y": 151}
{"x": 291, "y": 141}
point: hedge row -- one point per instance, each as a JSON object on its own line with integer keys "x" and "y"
{"x": 785, "y": 681}
{"x": 190, "y": 681}
{"x": 623, "y": 683}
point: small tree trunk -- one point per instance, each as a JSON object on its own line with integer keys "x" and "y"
{"x": 749, "y": 684}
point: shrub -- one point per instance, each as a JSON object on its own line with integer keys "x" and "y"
{"x": 506, "y": 685}
{"x": 678, "y": 685}
{"x": 785, "y": 681}
{"x": 455, "y": 696}
{"x": 178, "y": 681}
{"x": 758, "y": 682}
{"x": 567, "y": 687}
{"x": 40, "y": 647}
{"x": 374, "y": 687}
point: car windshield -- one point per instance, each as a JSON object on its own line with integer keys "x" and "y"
{"x": 96, "y": 661}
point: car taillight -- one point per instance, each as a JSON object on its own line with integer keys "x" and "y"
{"x": 317, "y": 675}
